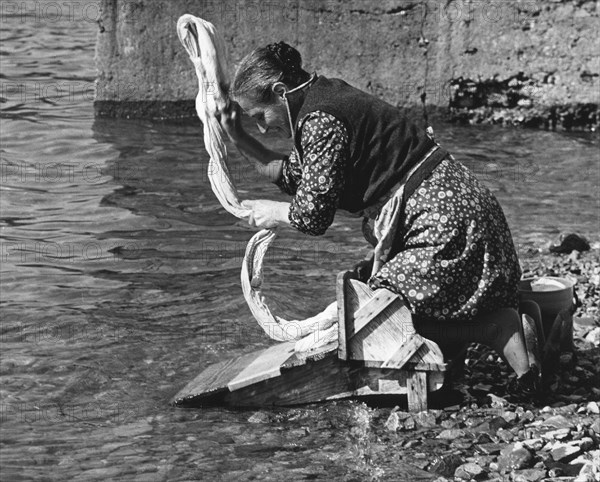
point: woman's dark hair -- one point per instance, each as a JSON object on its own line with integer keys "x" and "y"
{"x": 261, "y": 68}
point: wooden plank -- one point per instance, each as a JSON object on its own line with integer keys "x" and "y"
{"x": 362, "y": 290}
{"x": 367, "y": 312}
{"x": 266, "y": 365}
{"x": 302, "y": 358}
{"x": 417, "y": 391}
{"x": 309, "y": 383}
{"x": 342, "y": 313}
{"x": 383, "y": 335}
{"x": 430, "y": 353}
{"x": 404, "y": 353}
{"x": 214, "y": 378}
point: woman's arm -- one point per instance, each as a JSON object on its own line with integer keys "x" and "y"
{"x": 267, "y": 162}
{"x": 266, "y": 213}
{"x": 325, "y": 148}
{"x": 320, "y": 180}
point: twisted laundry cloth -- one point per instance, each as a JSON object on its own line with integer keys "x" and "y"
{"x": 206, "y": 50}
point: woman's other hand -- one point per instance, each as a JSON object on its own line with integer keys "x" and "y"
{"x": 362, "y": 269}
{"x": 267, "y": 214}
{"x": 231, "y": 120}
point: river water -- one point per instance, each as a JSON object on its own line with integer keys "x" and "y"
{"x": 120, "y": 278}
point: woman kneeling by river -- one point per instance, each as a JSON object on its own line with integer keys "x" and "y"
{"x": 441, "y": 239}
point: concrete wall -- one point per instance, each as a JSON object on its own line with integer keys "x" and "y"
{"x": 533, "y": 63}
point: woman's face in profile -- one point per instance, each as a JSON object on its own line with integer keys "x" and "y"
{"x": 268, "y": 116}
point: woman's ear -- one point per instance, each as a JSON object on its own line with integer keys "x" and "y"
{"x": 279, "y": 88}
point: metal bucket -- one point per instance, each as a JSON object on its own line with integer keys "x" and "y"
{"x": 552, "y": 295}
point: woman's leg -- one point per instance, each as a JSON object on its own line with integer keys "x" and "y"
{"x": 501, "y": 331}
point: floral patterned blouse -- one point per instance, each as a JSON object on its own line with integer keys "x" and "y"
{"x": 316, "y": 181}
{"x": 455, "y": 257}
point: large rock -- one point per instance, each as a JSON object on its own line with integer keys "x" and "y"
{"x": 526, "y": 62}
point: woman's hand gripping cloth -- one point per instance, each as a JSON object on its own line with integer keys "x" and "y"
{"x": 206, "y": 49}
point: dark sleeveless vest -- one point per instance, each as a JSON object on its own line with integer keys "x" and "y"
{"x": 384, "y": 144}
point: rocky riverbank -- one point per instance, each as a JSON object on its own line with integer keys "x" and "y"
{"x": 487, "y": 433}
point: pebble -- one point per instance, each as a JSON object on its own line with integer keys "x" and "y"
{"x": 425, "y": 419}
{"x": 409, "y": 423}
{"x": 505, "y": 435}
{"x": 559, "y": 434}
{"x": 392, "y": 423}
{"x": 451, "y": 434}
{"x": 585, "y": 443}
{"x": 259, "y": 417}
{"x": 592, "y": 407}
{"x": 565, "y": 452}
{"x": 468, "y": 471}
{"x": 566, "y": 360}
{"x": 447, "y": 465}
{"x": 449, "y": 423}
{"x": 514, "y": 457}
{"x": 490, "y": 448}
{"x": 528, "y": 475}
{"x": 590, "y": 471}
{"x": 593, "y": 336}
{"x": 534, "y": 444}
{"x": 558, "y": 421}
{"x": 585, "y": 478}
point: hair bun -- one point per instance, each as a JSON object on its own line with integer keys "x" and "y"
{"x": 287, "y": 55}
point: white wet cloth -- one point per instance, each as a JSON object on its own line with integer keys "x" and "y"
{"x": 206, "y": 49}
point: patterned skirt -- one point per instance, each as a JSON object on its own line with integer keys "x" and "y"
{"x": 453, "y": 255}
